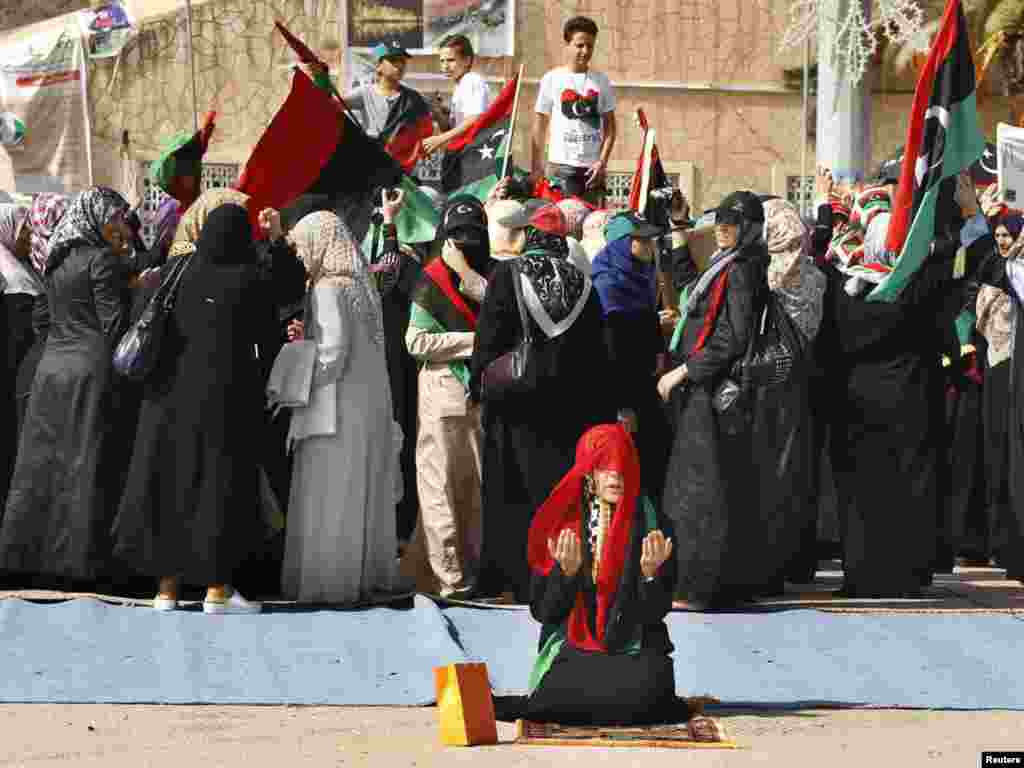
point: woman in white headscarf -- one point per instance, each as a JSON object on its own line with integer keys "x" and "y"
{"x": 341, "y": 543}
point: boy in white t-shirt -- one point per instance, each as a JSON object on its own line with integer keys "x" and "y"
{"x": 578, "y": 105}
{"x": 471, "y": 98}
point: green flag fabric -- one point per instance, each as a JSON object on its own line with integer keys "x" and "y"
{"x": 943, "y": 139}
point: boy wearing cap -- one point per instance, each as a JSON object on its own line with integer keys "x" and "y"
{"x": 471, "y": 96}
{"x": 577, "y": 104}
{"x": 394, "y": 113}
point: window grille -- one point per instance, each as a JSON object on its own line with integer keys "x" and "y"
{"x": 793, "y": 191}
{"x": 215, "y": 176}
{"x": 618, "y": 184}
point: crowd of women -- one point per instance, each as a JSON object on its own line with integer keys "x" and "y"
{"x": 408, "y": 417}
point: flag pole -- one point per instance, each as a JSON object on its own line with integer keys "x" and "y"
{"x": 192, "y": 63}
{"x": 512, "y": 128}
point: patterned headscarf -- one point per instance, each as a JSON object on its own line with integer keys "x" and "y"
{"x": 83, "y": 223}
{"x": 786, "y": 237}
{"x": 192, "y": 221}
{"x": 995, "y": 311}
{"x": 798, "y": 284}
{"x": 16, "y": 274}
{"x": 576, "y": 212}
{"x": 12, "y": 218}
{"x": 326, "y": 246}
{"x": 593, "y": 232}
{"x": 45, "y": 214}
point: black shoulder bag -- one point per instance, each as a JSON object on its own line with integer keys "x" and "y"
{"x": 515, "y": 371}
{"x": 138, "y": 351}
{"x": 774, "y": 347}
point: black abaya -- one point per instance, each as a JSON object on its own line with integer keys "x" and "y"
{"x": 712, "y": 487}
{"x": 887, "y": 430}
{"x": 530, "y": 439}
{"x": 191, "y": 505}
{"x": 59, "y": 505}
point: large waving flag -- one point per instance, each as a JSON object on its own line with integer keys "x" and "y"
{"x": 943, "y": 139}
{"x": 474, "y": 155}
{"x": 311, "y": 146}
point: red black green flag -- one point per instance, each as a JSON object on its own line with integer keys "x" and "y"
{"x": 409, "y": 123}
{"x": 650, "y": 174}
{"x": 312, "y": 147}
{"x": 943, "y": 139}
{"x": 474, "y": 155}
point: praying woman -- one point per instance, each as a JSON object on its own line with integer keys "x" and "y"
{"x": 603, "y": 572}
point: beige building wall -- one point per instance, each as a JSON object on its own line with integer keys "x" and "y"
{"x": 709, "y": 74}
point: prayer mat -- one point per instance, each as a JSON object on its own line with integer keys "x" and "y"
{"x": 660, "y": 736}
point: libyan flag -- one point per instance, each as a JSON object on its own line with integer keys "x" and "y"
{"x": 312, "y": 147}
{"x": 650, "y": 174}
{"x": 409, "y": 122}
{"x": 942, "y": 140}
{"x": 474, "y": 156}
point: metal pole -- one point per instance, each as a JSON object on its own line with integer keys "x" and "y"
{"x": 803, "y": 128}
{"x": 192, "y": 63}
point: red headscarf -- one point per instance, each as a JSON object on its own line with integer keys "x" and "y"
{"x": 607, "y": 447}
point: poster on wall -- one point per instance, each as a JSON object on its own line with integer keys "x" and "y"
{"x": 420, "y": 25}
{"x": 44, "y": 128}
{"x": 107, "y": 29}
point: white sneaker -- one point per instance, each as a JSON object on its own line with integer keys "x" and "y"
{"x": 236, "y": 604}
{"x": 164, "y": 604}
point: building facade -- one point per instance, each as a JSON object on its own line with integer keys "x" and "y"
{"x": 708, "y": 73}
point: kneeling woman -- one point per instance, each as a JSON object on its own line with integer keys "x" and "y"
{"x": 603, "y": 575}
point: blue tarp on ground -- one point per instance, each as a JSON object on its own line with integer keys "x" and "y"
{"x": 89, "y": 651}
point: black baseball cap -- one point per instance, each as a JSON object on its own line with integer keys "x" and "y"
{"x": 464, "y": 219}
{"x": 738, "y": 206}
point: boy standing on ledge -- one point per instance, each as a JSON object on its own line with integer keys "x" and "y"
{"x": 578, "y": 105}
{"x": 471, "y": 97}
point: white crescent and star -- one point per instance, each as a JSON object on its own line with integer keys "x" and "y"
{"x": 921, "y": 168}
{"x": 488, "y": 150}
{"x": 988, "y": 154}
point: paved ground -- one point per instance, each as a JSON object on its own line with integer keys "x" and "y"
{"x": 253, "y": 737}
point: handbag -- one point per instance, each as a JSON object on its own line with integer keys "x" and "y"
{"x": 138, "y": 351}
{"x": 515, "y": 371}
{"x": 773, "y": 349}
{"x": 777, "y": 347}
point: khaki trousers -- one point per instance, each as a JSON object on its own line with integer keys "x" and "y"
{"x": 449, "y": 444}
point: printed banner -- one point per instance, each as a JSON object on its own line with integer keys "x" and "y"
{"x": 1010, "y": 163}
{"x": 420, "y": 25}
{"x": 44, "y": 120}
{"x": 106, "y": 29}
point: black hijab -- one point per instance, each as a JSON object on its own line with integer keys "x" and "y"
{"x": 464, "y": 221}
{"x": 226, "y": 238}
